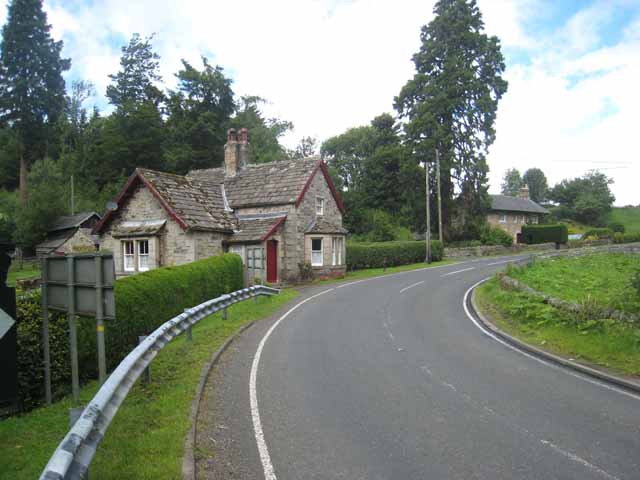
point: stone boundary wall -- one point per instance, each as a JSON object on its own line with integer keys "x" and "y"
{"x": 487, "y": 250}
{"x": 588, "y": 310}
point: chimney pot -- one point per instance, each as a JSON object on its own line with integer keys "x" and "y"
{"x": 524, "y": 192}
{"x": 231, "y": 135}
{"x": 244, "y": 135}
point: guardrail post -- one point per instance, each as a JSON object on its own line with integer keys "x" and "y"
{"x": 224, "y": 313}
{"x": 189, "y": 328}
{"x": 146, "y": 374}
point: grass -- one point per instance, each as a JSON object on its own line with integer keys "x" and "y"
{"x": 29, "y": 270}
{"x": 147, "y": 436}
{"x": 602, "y": 279}
{"x": 603, "y": 343}
{"x": 628, "y": 216}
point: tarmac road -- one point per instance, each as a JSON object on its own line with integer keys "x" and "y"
{"x": 389, "y": 378}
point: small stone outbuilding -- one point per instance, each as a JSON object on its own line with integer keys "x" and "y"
{"x": 277, "y": 216}
{"x": 511, "y": 213}
{"x": 71, "y": 233}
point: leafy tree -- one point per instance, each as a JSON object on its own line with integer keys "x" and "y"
{"x": 307, "y": 147}
{"x": 8, "y": 208}
{"x": 199, "y": 114}
{"x": 586, "y": 199}
{"x": 49, "y": 198}
{"x": 450, "y": 104}
{"x": 9, "y": 158}
{"x": 511, "y": 182}
{"x": 345, "y": 154}
{"x": 536, "y": 180}
{"x": 32, "y": 90}
{"x": 264, "y": 133}
{"x": 139, "y": 72}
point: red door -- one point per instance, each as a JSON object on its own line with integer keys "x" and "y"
{"x": 272, "y": 261}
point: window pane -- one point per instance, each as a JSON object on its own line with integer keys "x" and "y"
{"x": 316, "y": 244}
{"x": 316, "y": 259}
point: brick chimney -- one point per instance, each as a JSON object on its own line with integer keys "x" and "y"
{"x": 243, "y": 148}
{"x": 236, "y": 151}
{"x": 231, "y": 154}
{"x": 524, "y": 193}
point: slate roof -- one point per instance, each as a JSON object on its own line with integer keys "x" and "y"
{"x": 138, "y": 228}
{"x": 55, "y": 240}
{"x": 275, "y": 183}
{"x": 257, "y": 228}
{"x": 320, "y": 225}
{"x": 71, "y": 221}
{"x": 515, "y": 204}
{"x": 197, "y": 203}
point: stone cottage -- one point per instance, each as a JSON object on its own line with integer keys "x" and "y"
{"x": 510, "y": 213}
{"x": 277, "y": 216}
{"x": 70, "y": 233}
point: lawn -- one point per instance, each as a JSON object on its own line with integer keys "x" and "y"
{"x": 628, "y": 216}
{"x": 147, "y": 436}
{"x": 29, "y": 270}
{"x": 604, "y": 279}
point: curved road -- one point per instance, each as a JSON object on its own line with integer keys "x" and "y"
{"x": 389, "y": 378}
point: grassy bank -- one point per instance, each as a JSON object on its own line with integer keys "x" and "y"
{"x": 147, "y": 436}
{"x": 29, "y": 270}
{"x": 605, "y": 343}
{"x": 628, "y": 216}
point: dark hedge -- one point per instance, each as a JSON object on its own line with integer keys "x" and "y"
{"x": 143, "y": 303}
{"x": 533, "y": 234}
{"x": 389, "y": 254}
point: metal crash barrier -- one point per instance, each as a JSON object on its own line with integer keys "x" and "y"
{"x": 74, "y": 454}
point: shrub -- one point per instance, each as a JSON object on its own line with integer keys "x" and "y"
{"x": 389, "y": 254}
{"x": 598, "y": 233}
{"x": 626, "y": 237}
{"x": 143, "y": 303}
{"x": 496, "y": 236}
{"x": 533, "y": 234}
{"x": 616, "y": 227}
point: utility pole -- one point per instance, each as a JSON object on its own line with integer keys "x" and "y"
{"x": 428, "y": 234}
{"x": 439, "y": 197}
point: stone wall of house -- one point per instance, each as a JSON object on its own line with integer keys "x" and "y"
{"x": 307, "y": 214}
{"x": 81, "y": 241}
{"x": 207, "y": 244}
{"x": 514, "y": 222}
{"x": 172, "y": 246}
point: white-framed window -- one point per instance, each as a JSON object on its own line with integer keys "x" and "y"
{"x": 128, "y": 254}
{"x": 503, "y": 218}
{"x": 143, "y": 255}
{"x": 534, "y": 219}
{"x": 336, "y": 248}
{"x": 522, "y": 219}
{"x": 316, "y": 252}
{"x": 319, "y": 206}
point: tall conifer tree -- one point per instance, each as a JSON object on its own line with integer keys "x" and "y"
{"x": 450, "y": 104}
{"x": 32, "y": 90}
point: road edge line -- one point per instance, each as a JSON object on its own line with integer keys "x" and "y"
{"x": 265, "y": 458}
{"x": 592, "y": 375}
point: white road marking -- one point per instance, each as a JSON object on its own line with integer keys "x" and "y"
{"x": 500, "y": 263}
{"x": 458, "y": 271}
{"x": 575, "y": 458}
{"x": 411, "y": 286}
{"x": 267, "y": 466}
{"x": 393, "y": 339}
{"x": 532, "y": 357}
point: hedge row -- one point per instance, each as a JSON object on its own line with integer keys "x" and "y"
{"x": 626, "y": 237}
{"x": 534, "y": 234}
{"x": 143, "y": 303}
{"x": 390, "y": 254}
{"x": 598, "y": 233}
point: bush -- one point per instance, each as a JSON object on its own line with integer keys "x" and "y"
{"x": 616, "y": 227}
{"x": 389, "y": 254}
{"x": 143, "y": 303}
{"x": 626, "y": 237}
{"x": 496, "y": 236}
{"x": 533, "y": 234}
{"x": 598, "y": 233}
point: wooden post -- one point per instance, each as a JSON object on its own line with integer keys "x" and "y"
{"x": 102, "y": 361}
{"x": 45, "y": 333}
{"x": 73, "y": 330}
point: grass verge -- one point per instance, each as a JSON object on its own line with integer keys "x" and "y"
{"x": 604, "y": 343}
{"x": 26, "y": 272}
{"x": 628, "y": 216}
{"x": 146, "y": 438}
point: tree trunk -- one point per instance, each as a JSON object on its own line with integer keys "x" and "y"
{"x": 24, "y": 171}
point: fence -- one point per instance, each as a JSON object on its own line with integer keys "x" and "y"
{"x": 74, "y": 454}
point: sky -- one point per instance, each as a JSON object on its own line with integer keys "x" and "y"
{"x": 573, "y": 67}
